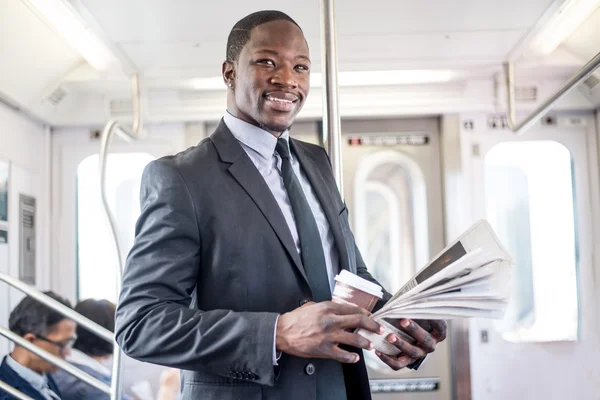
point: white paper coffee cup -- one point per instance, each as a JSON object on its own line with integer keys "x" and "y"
{"x": 354, "y": 290}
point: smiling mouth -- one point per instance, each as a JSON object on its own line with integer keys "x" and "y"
{"x": 283, "y": 102}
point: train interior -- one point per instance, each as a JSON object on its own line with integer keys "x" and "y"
{"x": 450, "y": 112}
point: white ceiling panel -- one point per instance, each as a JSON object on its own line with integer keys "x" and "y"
{"x": 380, "y": 34}
{"x": 33, "y": 57}
{"x": 387, "y": 16}
{"x": 192, "y": 20}
{"x": 585, "y": 41}
{"x": 355, "y": 52}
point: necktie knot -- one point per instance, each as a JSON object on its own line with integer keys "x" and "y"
{"x": 282, "y": 148}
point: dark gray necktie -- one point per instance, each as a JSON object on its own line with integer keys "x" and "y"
{"x": 311, "y": 247}
{"x": 330, "y": 375}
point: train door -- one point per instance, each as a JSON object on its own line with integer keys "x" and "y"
{"x": 537, "y": 191}
{"x": 393, "y": 190}
{"x": 83, "y": 245}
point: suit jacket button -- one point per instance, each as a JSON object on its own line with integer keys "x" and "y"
{"x": 304, "y": 301}
{"x": 309, "y": 369}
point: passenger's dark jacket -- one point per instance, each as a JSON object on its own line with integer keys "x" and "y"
{"x": 9, "y": 376}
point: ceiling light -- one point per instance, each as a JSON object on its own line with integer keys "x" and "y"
{"x": 570, "y": 15}
{"x": 353, "y": 78}
{"x": 71, "y": 27}
{"x": 386, "y": 78}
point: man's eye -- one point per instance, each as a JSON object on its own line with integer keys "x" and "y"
{"x": 302, "y": 67}
{"x": 266, "y": 62}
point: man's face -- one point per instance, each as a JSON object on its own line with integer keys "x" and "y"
{"x": 271, "y": 78}
{"x": 57, "y": 342}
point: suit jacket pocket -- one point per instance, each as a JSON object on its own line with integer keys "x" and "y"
{"x": 220, "y": 391}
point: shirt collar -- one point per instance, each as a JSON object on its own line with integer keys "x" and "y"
{"x": 37, "y": 381}
{"x": 252, "y": 136}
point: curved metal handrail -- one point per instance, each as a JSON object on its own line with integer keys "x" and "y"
{"x": 13, "y": 392}
{"x": 509, "y": 75}
{"x": 108, "y": 132}
{"x": 62, "y": 364}
{"x": 58, "y": 307}
{"x": 67, "y": 312}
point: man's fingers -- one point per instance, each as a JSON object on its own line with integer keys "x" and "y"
{"x": 423, "y": 338}
{"x": 425, "y": 324}
{"x": 353, "y": 339}
{"x": 406, "y": 348}
{"x": 343, "y": 356}
{"x": 395, "y": 363}
{"x": 359, "y": 321}
{"x": 439, "y": 328}
{"x": 345, "y": 309}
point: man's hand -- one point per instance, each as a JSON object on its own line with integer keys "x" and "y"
{"x": 427, "y": 333}
{"x": 316, "y": 330}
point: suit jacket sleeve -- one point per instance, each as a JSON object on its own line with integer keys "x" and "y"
{"x": 154, "y": 320}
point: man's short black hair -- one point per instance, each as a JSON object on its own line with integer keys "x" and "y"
{"x": 240, "y": 33}
{"x": 31, "y": 316}
{"x": 101, "y": 312}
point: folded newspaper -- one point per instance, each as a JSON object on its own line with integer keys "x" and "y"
{"x": 469, "y": 278}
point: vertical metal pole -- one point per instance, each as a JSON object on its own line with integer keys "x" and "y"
{"x": 115, "y": 384}
{"x": 332, "y": 135}
{"x": 509, "y": 75}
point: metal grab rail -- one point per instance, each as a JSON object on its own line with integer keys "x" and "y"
{"x": 509, "y": 73}
{"x": 59, "y": 307}
{"x": 331, "y": 116}
{"x": 62, "y": 364}
{"x": 14, "y": 392}
{"x": 108, "y": 132}
{"x": 67, "y": 312}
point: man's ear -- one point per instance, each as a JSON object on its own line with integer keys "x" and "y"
{"x": 30, "y": 337}
{"x": 228, "y": 71}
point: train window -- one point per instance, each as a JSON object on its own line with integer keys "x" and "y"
{"x": 391, "y": 216}
{"x": 96, "y": 259}
{"x": 530, "y": 203}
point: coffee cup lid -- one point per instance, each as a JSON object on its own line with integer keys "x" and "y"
{"x": 356, "y": 281}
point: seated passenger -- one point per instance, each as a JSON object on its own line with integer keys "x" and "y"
{"x": 91, "y": 354}
{"x": 47, "y": 329}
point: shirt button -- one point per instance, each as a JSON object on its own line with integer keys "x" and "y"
{"x": 309, "y": 369}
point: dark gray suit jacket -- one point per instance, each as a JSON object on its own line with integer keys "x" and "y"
{"x": 212, "y": 266}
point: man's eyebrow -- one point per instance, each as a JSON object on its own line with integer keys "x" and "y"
{"x": 303, "y": 58}
{"x": 275, "y": 53}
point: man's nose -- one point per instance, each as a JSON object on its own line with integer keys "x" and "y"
{"x": 284, "y": 77}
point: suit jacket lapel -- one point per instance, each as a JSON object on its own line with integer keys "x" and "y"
{"x": 17, "y": 382}
{"x": 326, "y": 198}
{"x": 245, "y": 172}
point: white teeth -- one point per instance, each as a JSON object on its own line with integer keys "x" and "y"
{"x": 279, "y": 100}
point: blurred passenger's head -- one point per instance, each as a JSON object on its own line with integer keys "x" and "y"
{"x": 43, "y": 327}
{"x": 267, "y": 70}
{"x": 101, "y": 312}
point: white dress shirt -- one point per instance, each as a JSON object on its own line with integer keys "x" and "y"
{"x": 38, "y": 381}
{"x": 259, "y": 145}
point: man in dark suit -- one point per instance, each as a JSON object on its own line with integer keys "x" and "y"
{"x": 48, "y": 330}
{"x": 239, "y": 240}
